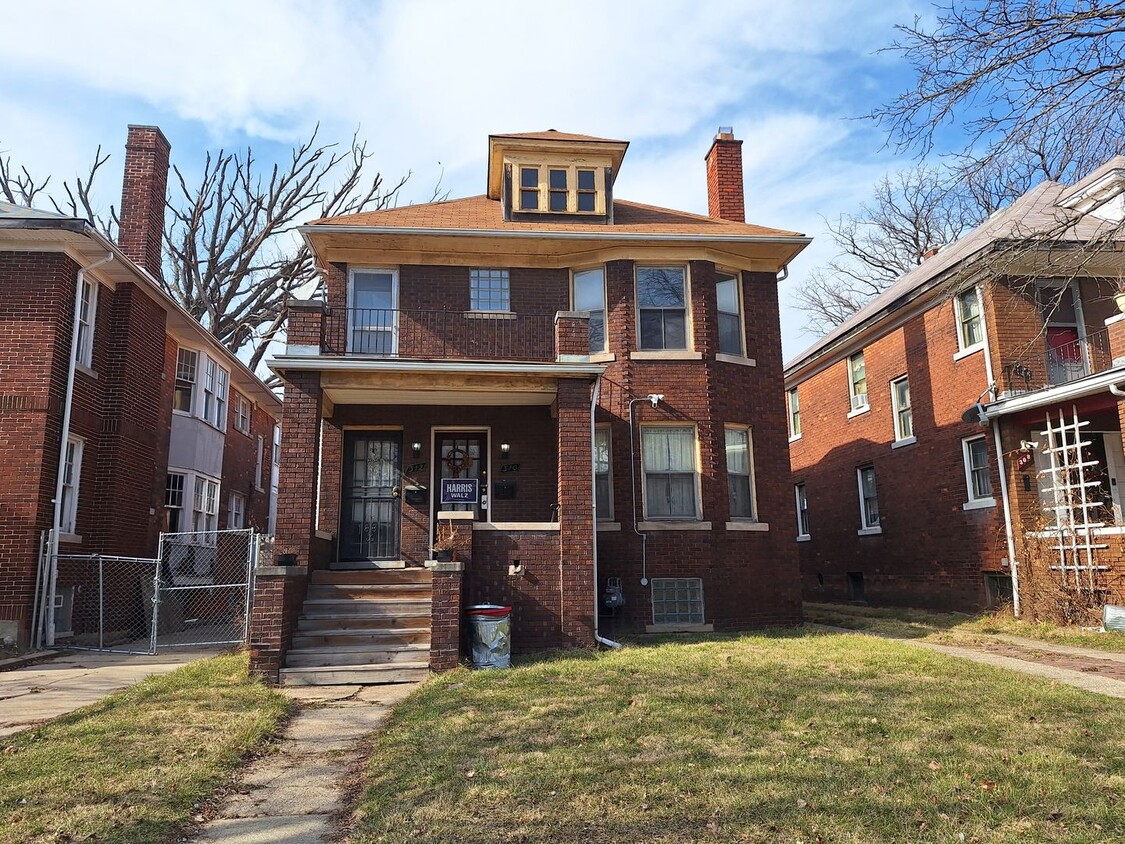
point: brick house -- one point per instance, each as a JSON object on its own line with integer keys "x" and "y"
{"x": 576, "y": 391}
{"x": 921, "y": 469}
{"x": 163, "y": 427}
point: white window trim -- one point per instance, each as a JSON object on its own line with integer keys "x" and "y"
{"x": 239, "y": 402}
{"x": 964, "y": 351}
{"x": 673, "y": 522}
{"x": 84, "y": 348}
{"x": 971, "y": 501}
{"x": 857, "y": 409}
{"x": 68, "y": 521}
{"x": 195, "y": 382}
{"x": 686, "y": 353}
{"x": 753, "y": 517}
{"x": 232, "y": 510}
{"x": 605, "y": 309}
{"x": 864, "y": 528}
{"x": 901, "y": 440}
{"x": 259, "y": 463}
{"x": 789, "y": 396}
{"x": 801, "y": 537}
{"x": 609, "y": 441}
{"x": 736, "y": 276}
{"x": 393, "y": 272}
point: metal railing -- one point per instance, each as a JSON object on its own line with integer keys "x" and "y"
{"x": 450, "y": 334}
{"x": 1061, "y": 364}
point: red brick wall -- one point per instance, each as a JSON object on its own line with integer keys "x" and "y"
{"x": 277, "y": 604}
{"x": 446, "y": 616}
{"x": 931, "y": 551}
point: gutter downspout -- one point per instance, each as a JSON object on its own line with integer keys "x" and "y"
{"x": 609, "y": 643}
{"x": 64, "y": 437}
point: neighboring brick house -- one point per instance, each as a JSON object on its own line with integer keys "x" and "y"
{"x": 541, "y": 341}
{"x": 163, "y": 426}
{"x": 899, "y": 494}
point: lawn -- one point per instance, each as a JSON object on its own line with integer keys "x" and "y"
{"x": 768, "y": 738}
{"x": 132, "y": 767}
{"x": 949, "y": 627}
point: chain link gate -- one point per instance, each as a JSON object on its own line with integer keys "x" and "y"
{"x": 196, "y": 592}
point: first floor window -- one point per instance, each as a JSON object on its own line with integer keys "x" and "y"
{"x": 174, "y": 501}
{"x": 730, "y": 314}
{"x": 677, "y": 600}
{"x": 802, "y": 510}
{"x": 205, "y": 514}
{"x": 970, "y": 332}
{"x": 794, "y": 413}
{"x": 978, "y": 478}
{"x": 662, "y": 307}
{"x": 603, "y": 494}
{"x": 589, "y": 296}
{"x": 669, "y": 472}
{"x": 900, "y": 401}
{"x": 739, "y": 473}
{"x": 489, "y": 290}
{"x": 868, "y": 498}
{"x": 857, "y": 380}
{"x": 236, "y": 517}
{"x": 187, "y": 362}
{"x": 72, "y": 474}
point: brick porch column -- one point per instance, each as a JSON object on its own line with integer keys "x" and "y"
{"x": 279, "y": 592}
{"x": 572, "y": 335}
{"x": 576, "y": 515}
{"x": 447, "y": 614}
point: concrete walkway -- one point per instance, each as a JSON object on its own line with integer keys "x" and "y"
{"x": 36, "y": 693}
{"x": 290, "y": 796}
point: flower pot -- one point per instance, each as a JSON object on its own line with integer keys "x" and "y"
{"x": 445, "y": 555}
{"x": 1120, "y": 300}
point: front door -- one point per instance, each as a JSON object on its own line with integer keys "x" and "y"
{"x": 369, "y": 518}
{"x": 462, "y": 455}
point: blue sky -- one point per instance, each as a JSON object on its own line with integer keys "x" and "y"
{"x": 427, "y": 81}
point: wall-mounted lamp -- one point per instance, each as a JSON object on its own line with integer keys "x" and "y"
{"x": 505, "y": 449}
{"x": 416, "y": 448}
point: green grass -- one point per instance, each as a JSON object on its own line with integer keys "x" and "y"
{"x": 131, "y": 768}
{"x": 767, "y": 738}
{"x": 907, "y": 623}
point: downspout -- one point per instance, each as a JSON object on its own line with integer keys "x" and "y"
{"x": 60, "y": 475}
{"x": 609, "y": 643}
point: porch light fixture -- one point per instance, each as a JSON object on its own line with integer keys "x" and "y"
{"x": 505, "y": 449}
{"x": 416, "y": 448}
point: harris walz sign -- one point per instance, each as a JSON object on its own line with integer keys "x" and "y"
{"x": 460, "y": 491}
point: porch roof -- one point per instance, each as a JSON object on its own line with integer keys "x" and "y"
{"x": 1083, "y": 387}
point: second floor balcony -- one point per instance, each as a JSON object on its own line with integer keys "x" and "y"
{"x": 1066, "y": 358}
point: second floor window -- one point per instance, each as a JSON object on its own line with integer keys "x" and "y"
{"x": 730, "y": 315}
{"x": 242, "y": 410}
{"x": 215, "y": 384}
{"x": 868, "y": 498}
{"x": 857, "y": 381}
{"x": 589, "y": 296}
{"x": 662, "y": 307}
{"x": 489, "y": 290}
{"x": 794, "y": 413}
{"x": 900, "y": 401}
{"x": 87, "y": 309}
{"x": 187, "y": 363}
{"x": 970, "y": 329}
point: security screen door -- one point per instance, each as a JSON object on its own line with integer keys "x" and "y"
{"x": 369, "y": 521}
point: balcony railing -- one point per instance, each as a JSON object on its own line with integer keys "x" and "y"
{"x": 450, "y": 334}
{"x": 1061, "y": 364}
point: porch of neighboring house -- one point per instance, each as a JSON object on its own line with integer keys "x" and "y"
{"x": 391, "y": 452}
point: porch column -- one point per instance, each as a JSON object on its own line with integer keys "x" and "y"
{"x": 576, "y": 514}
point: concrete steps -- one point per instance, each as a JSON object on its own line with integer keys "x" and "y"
{"x": 362, "y": 627}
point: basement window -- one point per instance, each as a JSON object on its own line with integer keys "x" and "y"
{"x": 677, "y": 600}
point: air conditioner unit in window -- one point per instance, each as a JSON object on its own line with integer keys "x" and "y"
{"x": 859, "y": 402}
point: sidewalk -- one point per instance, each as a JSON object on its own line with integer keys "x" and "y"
{"x": 294, "y": 795}
{"x": 46, "y": 690}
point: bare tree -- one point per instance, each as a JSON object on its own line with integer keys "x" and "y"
{"x": 18, "y": 186}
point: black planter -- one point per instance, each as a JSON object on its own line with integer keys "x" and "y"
{"x": 445, "y": 555}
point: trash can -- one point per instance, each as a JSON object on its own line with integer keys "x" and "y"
{"x": 490, "y": 628}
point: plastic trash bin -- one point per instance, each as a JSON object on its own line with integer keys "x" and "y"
{"x": 490, "y": 628}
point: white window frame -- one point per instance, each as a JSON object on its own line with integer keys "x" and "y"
{"x": 661, "y": 584}
{"x": 902, "y": 436}
{"x": 974, "y": 501}
{"x": 698, "y": 502}
{"x": 604, "y": 311}
{"x": 866, "y": 526}
{"x": 170, "y": 504}
{"x": 608, "y": 433}
{"x": 505, "y": 275}
{"x": 193, "y": 381}
{"x": 87, "y": 318}
{"x": 258, "y": 464}
{"x": 734, "y": 276}
{"x": 860, "y": 402}
{"x": 689, "y": 344}
{"x": 793, "y": 406}
{"x": 236, "y": 511}
{"x": 353, "y": 310}
{"x": 216, "y": 384}
{"x": 71, "y": 486}
{"x": 964, "y": 348}
{"x": 801, "y": 499}
{"x": 752, "y": 491}
{"x": 243, "y": 413}
{"x": 204, "y": 505}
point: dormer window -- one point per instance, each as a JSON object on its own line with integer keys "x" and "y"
{"x": 561, "y": 189}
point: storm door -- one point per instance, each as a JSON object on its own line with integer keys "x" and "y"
{"x": 370, "y": 502}
{"x": 462, "y": 455}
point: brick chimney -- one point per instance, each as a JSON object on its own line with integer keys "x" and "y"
{"x": 143, "y": 194}
{"x": 724, "y": 177}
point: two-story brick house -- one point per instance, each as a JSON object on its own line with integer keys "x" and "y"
{"x": 577, "y": 391}
{"x": 921, "y": 468}
{"x": 120, "y": 416}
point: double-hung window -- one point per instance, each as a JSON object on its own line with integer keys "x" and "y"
{"x": 603, "y": 489}
{"x": 242, "y": 412}
{"x": 205, "y": 511}
{"x": 236, "y": 516}
{"x": 671, "y": 490}
{"x": 970, "y": 329}
{"x": 662, "y": 307}
{"x": 978, "y": 476}
{"x": 72, "y": 474}
{"x": 857, "y": 381}
{"x": 868, "y": 500}
{"x": 489, "y": 290}
{"x": 258, "y": 464}
{"x": 187, "y": 365}
{"x": 740, "y": 472}
{"x": 589, "y": 296}
{"x": 794, "y": 405}
{"x": 174, "y": 501}
{"x": 900, "y": 404}
{"x": 730, "y": 315}
{"x": 87, "y": 310}
{"x": 802, "y": 511}
{"x": 215, "y": 384}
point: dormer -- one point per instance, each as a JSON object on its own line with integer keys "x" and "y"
{"x": 539, "y": 176}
